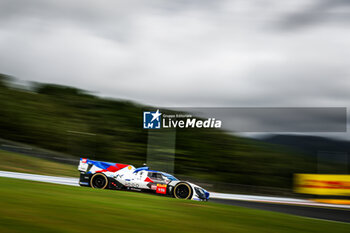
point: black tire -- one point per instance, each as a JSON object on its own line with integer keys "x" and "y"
{"x": 182, "y": 191}
{"x": 99, "y": 181}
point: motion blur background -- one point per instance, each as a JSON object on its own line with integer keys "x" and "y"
{"x": 77, "y": 76}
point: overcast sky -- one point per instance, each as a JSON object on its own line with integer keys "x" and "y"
{"x": 184, "y": 53}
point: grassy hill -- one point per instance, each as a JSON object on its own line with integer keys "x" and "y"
{"x": 39, "y": 207}
{"x": 23, "y": 163}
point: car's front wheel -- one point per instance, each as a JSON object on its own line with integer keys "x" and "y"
{"x": 182, "y": 191}
{"x": 99, "y": 181}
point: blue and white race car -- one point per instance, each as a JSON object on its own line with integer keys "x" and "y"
{"x": 105, "y": 175}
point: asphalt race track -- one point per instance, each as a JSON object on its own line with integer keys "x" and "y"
{"x": 300, "y": 207}
{"x": 332, "y": 214}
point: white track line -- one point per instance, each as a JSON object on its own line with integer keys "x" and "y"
{"x": 48, "y": 179}
{"x": 277, "y": 200}
{"x": 75, "y": 182}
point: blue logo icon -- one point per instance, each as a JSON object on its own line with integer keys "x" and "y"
{"x": 151, "y": 120}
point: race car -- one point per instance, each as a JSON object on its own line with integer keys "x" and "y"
{"x": 106, "y": 175}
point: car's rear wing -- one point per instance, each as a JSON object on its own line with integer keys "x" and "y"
{"x": 84, "y": 165}
{"x": 93, "y": 166}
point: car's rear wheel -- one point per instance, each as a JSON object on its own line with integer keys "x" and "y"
{"x": 99, "y": 181}
{"x": 182, "y": 191}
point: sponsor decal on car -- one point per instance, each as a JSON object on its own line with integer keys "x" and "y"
{"x": 161, "y": 188}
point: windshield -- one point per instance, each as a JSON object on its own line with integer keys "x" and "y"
{"x": 169, "y": 177}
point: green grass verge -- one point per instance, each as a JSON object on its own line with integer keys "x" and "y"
{"x": 39, "y": 207}
{"x": 15, "y": 162}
